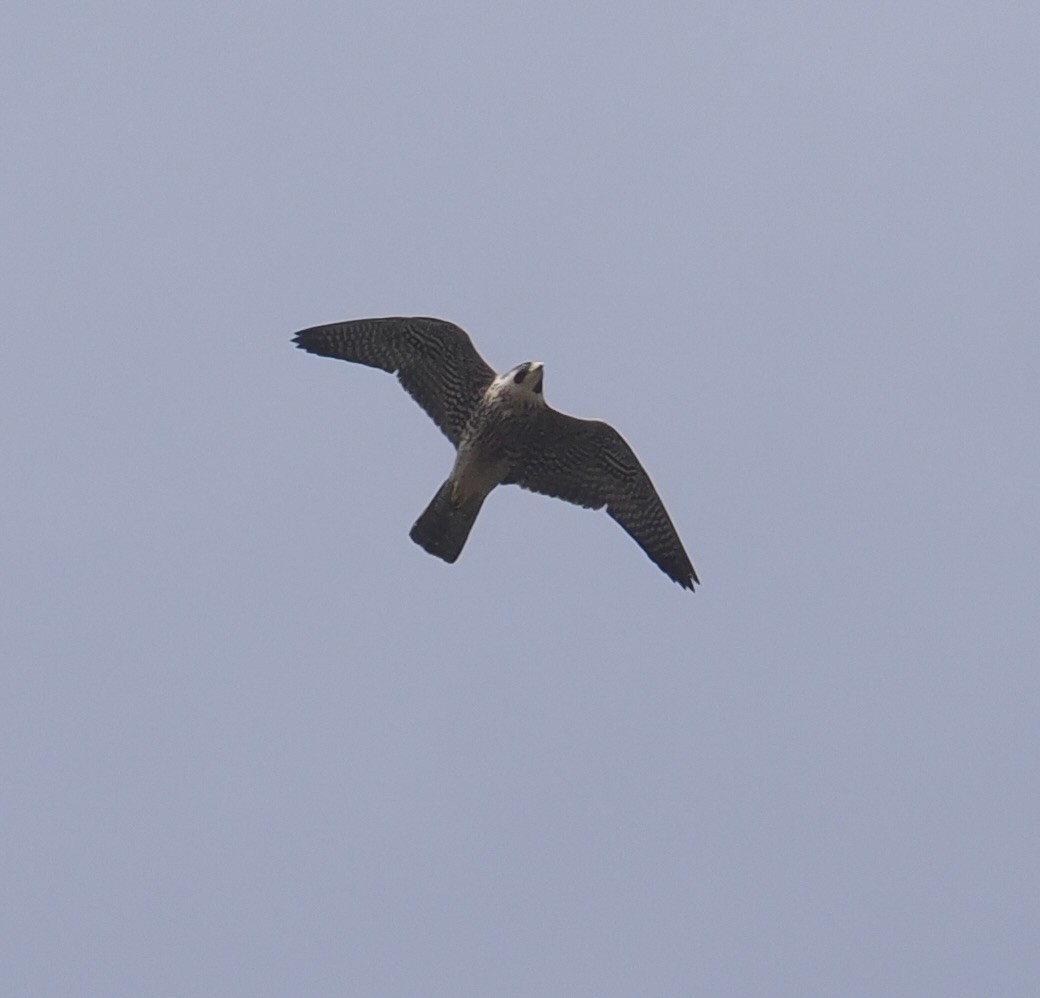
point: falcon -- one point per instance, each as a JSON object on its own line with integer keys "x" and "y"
{"x": 504, "y": 433}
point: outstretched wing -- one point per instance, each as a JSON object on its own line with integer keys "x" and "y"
{"x": 587, "y": 462}
{"x": 435, "y": 361}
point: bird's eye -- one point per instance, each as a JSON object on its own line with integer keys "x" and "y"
{"x": 538, "y": 387}
{"x": 521, "y": 373}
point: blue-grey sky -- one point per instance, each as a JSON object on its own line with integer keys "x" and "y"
{"x": 254, "y": 741}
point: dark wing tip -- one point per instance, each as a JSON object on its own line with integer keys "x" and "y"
{"x": 311, "y": 340}
{"x": 690, "y": 581}
{"x": 680, "y": 572}
{"x": 329, "y": 341}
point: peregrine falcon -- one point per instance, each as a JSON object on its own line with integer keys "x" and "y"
{"x": 504, "y": 434}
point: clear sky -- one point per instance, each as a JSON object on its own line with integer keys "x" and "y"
{"x": 254, "y": 741}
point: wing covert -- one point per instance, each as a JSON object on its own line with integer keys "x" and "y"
{"x": 434, "y": 360}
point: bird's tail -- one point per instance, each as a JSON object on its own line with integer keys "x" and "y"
{"x": 443, "y": 527}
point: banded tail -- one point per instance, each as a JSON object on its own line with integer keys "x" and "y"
{"x": 443, "y": 527}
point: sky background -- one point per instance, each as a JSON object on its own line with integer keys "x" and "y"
{"x": 254, "y": 741}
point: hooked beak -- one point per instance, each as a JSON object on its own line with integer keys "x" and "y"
{"x": 536, "y": 369}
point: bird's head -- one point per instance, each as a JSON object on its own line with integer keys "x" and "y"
{"x": 523, "y": 383}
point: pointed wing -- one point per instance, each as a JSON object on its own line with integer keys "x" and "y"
{"x": 588, "y": 463}
{"x": 435, "y": 361}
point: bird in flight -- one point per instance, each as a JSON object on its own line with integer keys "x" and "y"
{"x": 504, "y": 434}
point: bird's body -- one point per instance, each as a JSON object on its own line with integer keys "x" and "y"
{"x": 504, "y": 433}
